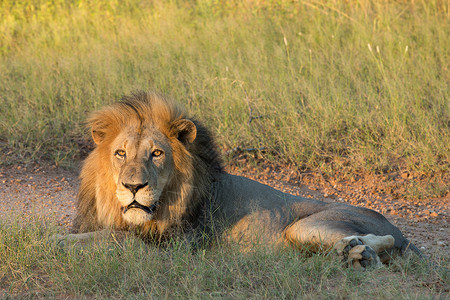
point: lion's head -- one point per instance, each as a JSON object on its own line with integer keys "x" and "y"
{"x": 151, "y": 168}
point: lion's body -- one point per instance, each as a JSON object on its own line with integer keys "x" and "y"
{"x": 254, "y": 212}
{"x": 156, "y": 172}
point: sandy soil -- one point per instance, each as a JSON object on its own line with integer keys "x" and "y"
{"x": 49, "y": 192}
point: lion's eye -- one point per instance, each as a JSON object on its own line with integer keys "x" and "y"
{"x": 157, "y": 153}
{"x": 120, "y": 154}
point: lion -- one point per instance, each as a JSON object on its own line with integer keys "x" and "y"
{"x": 155, "y": 172}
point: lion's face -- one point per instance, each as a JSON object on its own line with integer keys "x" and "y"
{"x": 150, "y": 168}
{"x": 142, "y": 164}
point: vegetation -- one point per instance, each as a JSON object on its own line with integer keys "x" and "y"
{"x": 33, "y": 266}
{"x": 329, "y": 85}
{"x": 354, "y": 85}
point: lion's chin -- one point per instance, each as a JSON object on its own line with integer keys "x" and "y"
{"x": 136, "y": 216}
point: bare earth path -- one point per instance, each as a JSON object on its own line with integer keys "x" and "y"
{"x": 50, "y": 192}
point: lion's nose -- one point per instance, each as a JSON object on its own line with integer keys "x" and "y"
{"x": 134, "y": 187}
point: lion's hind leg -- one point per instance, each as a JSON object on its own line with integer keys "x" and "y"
{"x": 363, "y": 251}
{"x": 355, "y": 247}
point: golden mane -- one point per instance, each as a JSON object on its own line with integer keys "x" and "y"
{"x": 196, "y": 166}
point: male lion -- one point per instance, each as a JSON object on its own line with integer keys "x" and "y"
{"x": 155, "y": 172}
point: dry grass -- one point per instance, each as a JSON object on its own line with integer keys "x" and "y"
{"x": 32, "y": 266}
{"x": 350, "y": 86}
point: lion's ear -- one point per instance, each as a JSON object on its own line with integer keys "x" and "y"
{"x": 102, "y": 124}
{"x": 186, "y": 130}
{"x": 98, "y": 135}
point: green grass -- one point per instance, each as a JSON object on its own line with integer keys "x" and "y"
{"x": 32, "y": 266}
{"x": 354, "y": 85}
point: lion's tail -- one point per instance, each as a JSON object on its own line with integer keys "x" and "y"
{"x": 408, "y": 247}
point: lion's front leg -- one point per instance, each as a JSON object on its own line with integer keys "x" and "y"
{"x": 83, "y": 239}
{"x": 363, "y": 251}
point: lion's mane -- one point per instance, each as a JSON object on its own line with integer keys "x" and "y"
{"x": 196, "y": 167}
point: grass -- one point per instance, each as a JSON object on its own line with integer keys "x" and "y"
{"x": 354, "y": 85}
{"x": 32, "y": 266}
{"x": 339, "y": 85}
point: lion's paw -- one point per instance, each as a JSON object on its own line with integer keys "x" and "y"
{"x": 355, "y": 254}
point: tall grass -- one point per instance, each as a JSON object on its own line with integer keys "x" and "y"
{"x": 33, "y": 266}
{"x": 361, "y": 85}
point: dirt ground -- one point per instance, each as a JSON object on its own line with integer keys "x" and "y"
{"x": 49, "y": 192}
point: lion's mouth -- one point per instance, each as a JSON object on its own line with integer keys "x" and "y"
{"x": 148, "y": 209}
